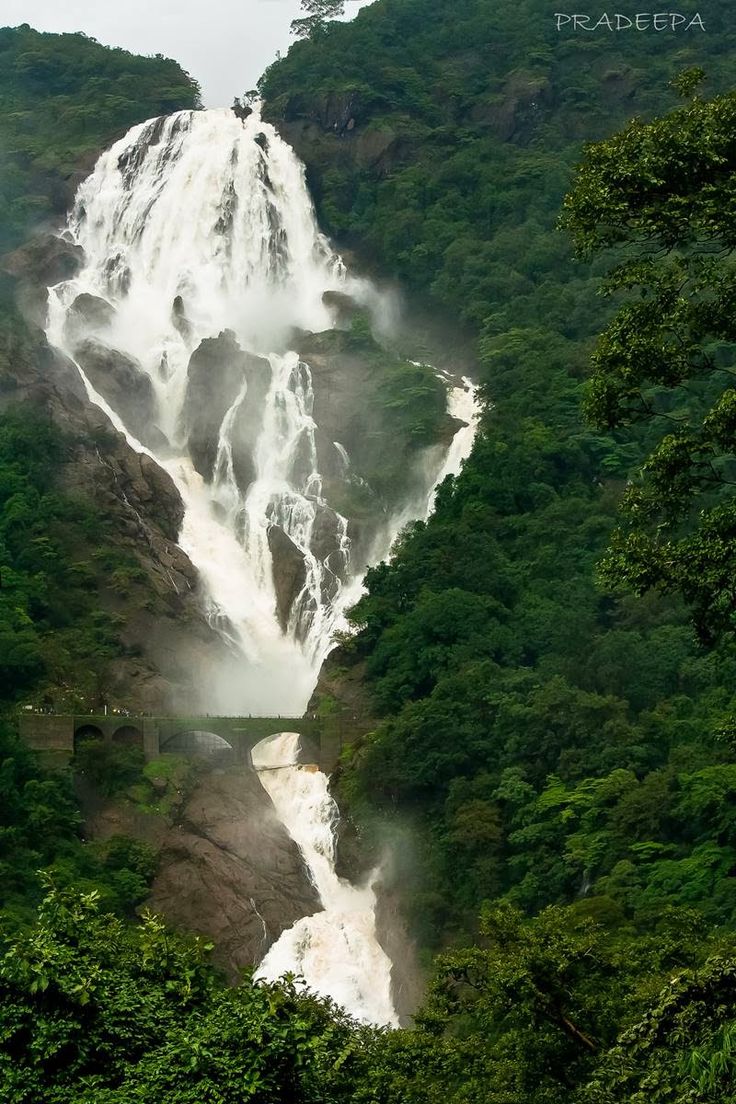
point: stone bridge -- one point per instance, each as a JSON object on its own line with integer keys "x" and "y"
{"x": 230, "y": 739}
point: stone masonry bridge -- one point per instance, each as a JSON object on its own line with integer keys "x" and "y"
{"x": 57, "y": 736}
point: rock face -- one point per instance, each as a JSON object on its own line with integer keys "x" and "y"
{"x": 247, "y": 423}
{"x": 218, "y": 368}
{"x": 407, "y": 978}
{"x": 168, "y": 648}
{"x": 88, "y": 316}
{"x": 336, "y": 128}
{"x": 42, "y": 262}
{"x": 228, "y": 869}
{"x": 231, "y": 871}
{"x": 123, "y": 383}
{"x": 289, "y": 572}
{"x": 343, "y": 306}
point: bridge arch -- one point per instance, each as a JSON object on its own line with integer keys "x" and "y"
{"x": 128, "y": 736}
{"x": 197, "y": 742}
{"x": 86, "y": 733}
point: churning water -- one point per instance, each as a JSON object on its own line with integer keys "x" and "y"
{"x": 336, "y": 950}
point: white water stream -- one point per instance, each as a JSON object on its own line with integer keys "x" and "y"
{"x": 202, "y": 259}
{"x": 336, "y": 950}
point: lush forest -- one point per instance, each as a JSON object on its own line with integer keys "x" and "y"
{"x": 553, "y": 679}
{"x": 550, "y": 737}
{"x": 553, "y": 757}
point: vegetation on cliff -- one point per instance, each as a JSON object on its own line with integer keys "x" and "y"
{"x": 62, "y": 99}
{"x": 546, "y": 737}
{"x": 549, "y": 739}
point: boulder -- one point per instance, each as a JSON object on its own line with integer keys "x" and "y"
{"x": 249, "y": 420}
{"x": 123, "y": 383}
{"x": 325, "y": 533}
{"x": 217, "y": 370}
{"x": 289, "y": 572}
{"x": 179, "y": 317}
{"x": 44, "y": 261}
{"x": 37, "y": 266}
{"x": 343, "y": 306}
{"x": 88, "y": 316}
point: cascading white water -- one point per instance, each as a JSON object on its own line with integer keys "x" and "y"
{"x": 337, "y": 950}
{"x": 202, "y": 259}
{"x": 193, "y": 225}
{"x": 198, "y": 234}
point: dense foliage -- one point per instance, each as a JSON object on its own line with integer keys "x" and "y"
{"x": 94, "y": 1011}
{"x": 50, "y": 624}
{"x": 62, "y": 98}
{"x": 545, "y": 739}
{"x": 467, "y": 119}
{"x": 661, "y": 193}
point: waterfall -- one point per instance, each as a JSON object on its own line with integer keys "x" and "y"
{"x": 203, "y": 263}
{"x": 198, "y": 228}
{"x": 336, "y": 950}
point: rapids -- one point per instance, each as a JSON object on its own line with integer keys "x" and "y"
{"x": 336, "y": 950}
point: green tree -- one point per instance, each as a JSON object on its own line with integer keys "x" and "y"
{"x": 681, "y": 1049}
{"x": 319, "y": 12}
{"x": 659, "y": 195}
{"x": 96, "y": 1011}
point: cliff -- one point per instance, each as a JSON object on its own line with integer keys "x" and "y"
{"x": 227, "y": 868}
{"x": 144, "y": 584}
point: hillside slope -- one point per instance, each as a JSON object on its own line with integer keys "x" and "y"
{"x": 539, "y": 736}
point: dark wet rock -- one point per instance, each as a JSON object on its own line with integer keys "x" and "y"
{"x": 343, "y": 306}
{"x": 325, "y": 533}
{"x": 249, "y": 420}
{"x": 179, "y": 317}
{"x": 407, "y": 978}
{"x": 241, "y": 110}
{"x": 123, "y": 383}
{"x": 218, "y": 368}
{"x": 289, "y": 572}
{"x": 302, "y": 465}
{"x": 131, "y": 160}
{"x": 214, "y": 377}
{"x": 88, "y": 316}
{"x": 45, "y": 260}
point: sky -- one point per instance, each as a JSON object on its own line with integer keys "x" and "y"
{"x": 224, "y": 44}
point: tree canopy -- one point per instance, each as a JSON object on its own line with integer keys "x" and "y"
{"x": 659, "y": 196}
